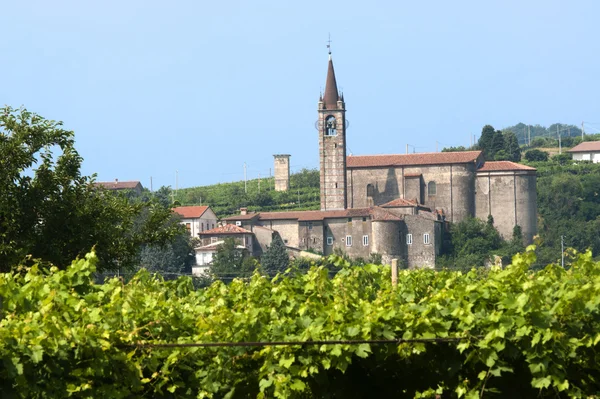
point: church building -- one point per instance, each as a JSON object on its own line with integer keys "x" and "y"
{"x": 397, "y": 205}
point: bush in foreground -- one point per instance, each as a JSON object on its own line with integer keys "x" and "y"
{"x": 526, "y": 334}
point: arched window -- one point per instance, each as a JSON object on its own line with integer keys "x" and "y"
{"x": 330, "y": 126}
{"x": 431, "y": 188}
{"x": 370, "y": 193}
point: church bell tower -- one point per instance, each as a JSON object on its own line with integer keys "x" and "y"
{"x": 332, "y": 144}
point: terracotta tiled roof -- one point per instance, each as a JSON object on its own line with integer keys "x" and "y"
{"x": 248, "y": 216}
{"x": 118, "y": 185}
{"x": 314, "y": 215}
{"x": 425, "y": 158}
{"x": 190, "y": 212}
{"x": 399, "y": 202}
{"x": 380, "y": 214}
{"x": 226, "y": 229}
{"x": 586, "y": 146}
{"x": 493, "y": 166}
{"x": 331, "y": 92}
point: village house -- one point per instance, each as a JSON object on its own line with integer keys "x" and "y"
{"x": 117, "y": 185}
{"x": 586, "y": 151}
{"x": 196, "y": 218}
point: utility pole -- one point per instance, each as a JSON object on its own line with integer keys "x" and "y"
{"x": 150, "y": 183}
{"x": 407, "y": 148}
{"x": 529, "y": 135}
{"x": 582, "y": 131}
{"x": 177, "y": 181}
{"x": 298, "y": 198}
{"x": 559, "y": 142}
{"x": 436, "y": 146}
{"x": 562, "y": 250}
{"x": 245, "y": 181}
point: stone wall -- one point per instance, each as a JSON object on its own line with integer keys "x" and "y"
{"x": 455, "y": 187}
{"x": 338, "y": 229}
{"x": 287, "y": 229}
{"x": 311, "y": 235}
{"x": 511, "y": 198}
{"x": 420, "y": 254}
{"x": 282, "y": 172}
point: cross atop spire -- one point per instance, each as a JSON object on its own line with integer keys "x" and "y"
{"x": 329, "y": 46}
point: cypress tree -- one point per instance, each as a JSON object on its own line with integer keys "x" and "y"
{"x": 276, "y": 258}
{"x": 485, "y": 141}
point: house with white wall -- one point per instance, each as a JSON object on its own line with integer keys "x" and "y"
{"x": 197, "y": 219}
{"x": 586, "y": 151}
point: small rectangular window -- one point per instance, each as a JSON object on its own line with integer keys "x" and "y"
{"x": 314, "y": 240}
{"x": 348, "y": 241}
{"x": 329, "y": 240}
{"x": 364, "y": 219}
{"x": 213, "y": 240}
{"x": 238, "y": 223}
{"x": 285, "y": 241}
{"x": 202, "y": 226}
{"x": 366, "y": 240}
{"x": 426, "y": 238}
{"x": 214, "y": 225}
{"x": 310, "y": 225}
{"x": 409, "y": 239}
{"x": 188, "y": 226}
{"x": 349, "y": 220}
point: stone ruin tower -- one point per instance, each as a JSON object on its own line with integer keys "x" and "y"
{"x": 282, "y": 172}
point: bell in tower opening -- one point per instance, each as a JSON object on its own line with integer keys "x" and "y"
{"x": 330, "y": 126}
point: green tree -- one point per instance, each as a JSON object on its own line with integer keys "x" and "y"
{"x": 230, "y": 262}
{"x": 536, "y": 156}
{"x": 50, "y": 211}
{"x": 497, "y": 145}
{"x": 171, "y": 259}
{"x": 487, "y": 136}
{"x": 276, "y": 258}
{"x": 511, "y": 147}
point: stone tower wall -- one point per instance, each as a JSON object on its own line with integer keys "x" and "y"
{"x": 511, "y": 198}
{"x": 282, "y": 172}
{"x": 332, "y": 154}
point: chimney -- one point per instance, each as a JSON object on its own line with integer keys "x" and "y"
{"x": 243, "y": 211}
{"x": 116, "y": 181}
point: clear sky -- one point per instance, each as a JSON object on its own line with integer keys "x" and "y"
{"x": 151, "y": 87}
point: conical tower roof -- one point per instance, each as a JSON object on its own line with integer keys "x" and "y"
{"x": 331, "y": 96}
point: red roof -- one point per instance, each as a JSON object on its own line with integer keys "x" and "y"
{"x": 586, "y": 146}
{"x": 314, "y": 215}
{"x": 400, "y": 202}
{"x": 379, "y": 214}
{"x": 118, "y": 185}
{"x": 226, "y": 229}
{"x": 493, "y": 166}
{"x": 190, "y": 212}
{"x": 424, "y": 158}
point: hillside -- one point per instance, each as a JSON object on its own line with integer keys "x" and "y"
{"x": 227, "y": 198}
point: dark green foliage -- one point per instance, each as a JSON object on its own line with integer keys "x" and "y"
{"x": 50, "y": 211}
{"x": 496, "y": 145}
{"x": 511, "y": 147}
{"x": 538, "y": 132}
{"x": 473, "y": 243}
{"x": 170, "y": 260}
{"x": 230, "y": 262}
{"x": 455, "y": 149}
{"x": 536, "y": 155}
{"x": 487, "y": 137}
{"x": 562, "y": 159}
{"x": 276, "y": 258}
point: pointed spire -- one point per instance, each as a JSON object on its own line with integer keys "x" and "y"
{"x": 331, "y": 92}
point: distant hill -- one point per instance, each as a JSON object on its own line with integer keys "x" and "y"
{"x": 227, "y": 198}
{"x": 522, "y": 131}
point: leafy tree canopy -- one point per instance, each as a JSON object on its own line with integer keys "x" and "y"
{"x": 230, "y": 261}
{"x": 48, "y": 210}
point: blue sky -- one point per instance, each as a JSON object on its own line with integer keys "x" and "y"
{"x": 151, "y": 87}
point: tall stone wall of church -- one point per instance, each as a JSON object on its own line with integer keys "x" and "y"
{"x": 387, "y": 240}
{"x": 511, "y": 198}
{"x": 454, "y": 187}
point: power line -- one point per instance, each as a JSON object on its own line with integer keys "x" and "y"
{"x": 293, "y": 343}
